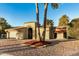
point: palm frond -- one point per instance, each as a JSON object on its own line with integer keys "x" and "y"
{"x": 54, "y": 5}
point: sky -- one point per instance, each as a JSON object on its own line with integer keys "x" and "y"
{"x": 18, "y": 13}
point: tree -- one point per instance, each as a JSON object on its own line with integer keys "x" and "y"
{"x": 4, "y": 24}
{"x": 74, "y": 28}
{"x": 37, "y": 18}
{"x": 55, "y": 6}
{"x": 49, "y": 22}
{"x": 63, "y": 21}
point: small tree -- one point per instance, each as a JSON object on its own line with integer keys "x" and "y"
{"x": 49, "y": 22}
{"x": 63, "y": 21}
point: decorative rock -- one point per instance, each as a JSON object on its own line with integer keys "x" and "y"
{"x": 32, "y": 45}
{"x": 5, "y": 54}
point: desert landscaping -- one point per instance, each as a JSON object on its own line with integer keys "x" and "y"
{"x": 57, "y": 48}
{"x": 50, "y": 30}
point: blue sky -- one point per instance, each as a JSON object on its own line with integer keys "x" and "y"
{"x": 18, "y": 13}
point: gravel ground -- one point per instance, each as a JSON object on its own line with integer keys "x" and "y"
{"x": 6, "y": 42}
{"x": 64, "y": 48}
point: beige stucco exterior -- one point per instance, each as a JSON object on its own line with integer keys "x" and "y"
{"x": 13, "y": 34}
{"x": 61, "y": 32}
{"x": 60, "y": 36}
{"x": 33, "y": 26}
{"x": 30, "y": 31}
{"x": 22, "y": 32}
{"x": 18, "y": 33}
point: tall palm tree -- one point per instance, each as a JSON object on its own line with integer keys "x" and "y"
{"x": 55, "y": 6}
{"x": 37, "y": 18}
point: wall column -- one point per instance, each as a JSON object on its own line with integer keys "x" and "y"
{"x": 8, "y": 35}
{"x": 33, "y": 34}
{"x": 26, "y": 33}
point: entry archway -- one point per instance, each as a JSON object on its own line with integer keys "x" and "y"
{"x": 30, "y": 33}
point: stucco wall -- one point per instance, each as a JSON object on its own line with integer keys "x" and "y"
{"x": 18, "y": 34}
{"x": 24, "y": 31}
{"x": 60, "y": 36}
{"x": 33, "y": 26}
{"x": 12, "y": 34}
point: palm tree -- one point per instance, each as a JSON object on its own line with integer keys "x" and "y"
{"x": 55, "y": 6}
{"x": 37, "y": 18}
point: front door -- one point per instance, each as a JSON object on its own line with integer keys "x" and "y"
{"x": 55, "y": 35}
{"x": 30, "y": 33}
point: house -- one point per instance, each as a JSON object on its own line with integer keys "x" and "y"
{"x": 30, "y": 31}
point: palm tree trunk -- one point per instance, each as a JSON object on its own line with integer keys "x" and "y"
{"x": 37, "y": 18}
{"x": 45, "y": 17}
